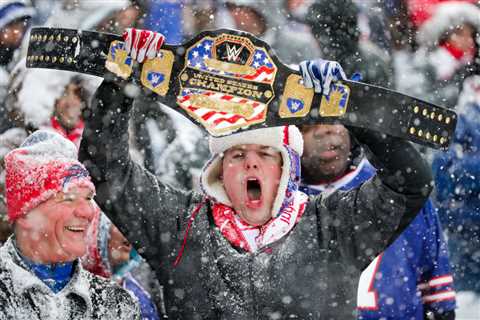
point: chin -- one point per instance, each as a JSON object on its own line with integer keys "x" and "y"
{"x": 255, "y": 220}
{"x": 73, "y": 253}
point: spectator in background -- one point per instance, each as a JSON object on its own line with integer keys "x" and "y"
{"x": 268, "y": 21}
{"x": 335, "y": 26}
{"x": 457, "y": 178}
{"x": 411, "y": 278}
{"x": 15, "y": 19}
{"x": 448, "y": 50}
{"x": 67, "y": 114}
{"x": 110, "y": 255}
{"x": 48, "y": 99}
{"x": 14, "y": 22}
{"x": 50, "y": 203}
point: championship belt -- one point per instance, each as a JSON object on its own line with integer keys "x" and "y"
{"x": 229, "y": 81}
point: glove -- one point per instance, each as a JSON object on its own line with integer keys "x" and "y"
{"x": 140, "y": 43}
{"x": 319, "y": 74}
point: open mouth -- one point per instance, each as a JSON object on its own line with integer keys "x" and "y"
{"x": 254, "y": 192}
{"x": 75, "y": 229}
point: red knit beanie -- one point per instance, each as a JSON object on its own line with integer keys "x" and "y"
{"x": 45, "y": 164}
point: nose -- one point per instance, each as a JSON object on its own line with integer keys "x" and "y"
{"x": 322, "y": 130}
{"x": 85, "y": 209}
{"x": 251, "y": 161}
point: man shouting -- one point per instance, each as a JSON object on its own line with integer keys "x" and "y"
{"x": 251, "y": 246}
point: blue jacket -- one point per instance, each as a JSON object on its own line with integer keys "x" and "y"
{"x": 147, "y": 308}
{"x": 457, "y": 172}
{"x": 413, "y": 275}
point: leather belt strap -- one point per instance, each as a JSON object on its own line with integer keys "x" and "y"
{"x": 228, "y": 81}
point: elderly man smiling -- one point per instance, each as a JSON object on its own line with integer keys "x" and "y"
{"x": 50, "y": 203}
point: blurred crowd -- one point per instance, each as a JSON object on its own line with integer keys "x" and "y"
{"x": 423, "y": 48}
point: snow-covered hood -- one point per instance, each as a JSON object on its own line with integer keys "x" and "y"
{"x": 447, "y": 16}
{"x": 37, "y": 89}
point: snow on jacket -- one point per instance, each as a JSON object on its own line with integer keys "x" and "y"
{"x": 457, "y": 173}
{"x": 288, "y": 279}
{"x": 23, "y": 296}
{"x": 412, "y": 276}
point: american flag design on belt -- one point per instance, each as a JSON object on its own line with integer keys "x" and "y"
{"x": 224, "y": 112}
{"x": 265, "y": 70}
{"x": 220, "y": 120}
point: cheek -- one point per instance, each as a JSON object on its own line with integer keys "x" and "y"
{"x": 231, "y": 172}
{"x": 274, "y": 174}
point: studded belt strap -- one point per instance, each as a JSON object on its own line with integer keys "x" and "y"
{"x": 228, "y": 81}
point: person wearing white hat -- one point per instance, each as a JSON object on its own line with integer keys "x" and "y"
{"x": 251, "y": 245}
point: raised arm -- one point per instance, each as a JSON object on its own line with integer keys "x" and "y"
{"x": 365, "y": 220}
{"x": 362, "y": 222}
{"x": 137, "y": 203}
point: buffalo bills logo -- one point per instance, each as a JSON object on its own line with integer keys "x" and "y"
{"x": 295, "y": 105}
{"x": 155, "y": 78}
{"x": 74, "y": 172}
{"x": 338, "y": 93}
{"x": 113, "y": 52}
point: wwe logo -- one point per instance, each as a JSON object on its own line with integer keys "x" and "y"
{"x": 233, "y": 52}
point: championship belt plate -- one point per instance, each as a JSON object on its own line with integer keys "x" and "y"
{"x": 229, "y": 81}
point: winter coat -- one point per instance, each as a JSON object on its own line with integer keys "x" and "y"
{"x": 23, "y": 296}
{"x": 203, "y": 275}
{"x": 457, "y": 177}
{"x": 457, "y": 173}
{"x": 412, "y": 276}
{"x": 147, "y": 308}
{"x": 335, "y": 26}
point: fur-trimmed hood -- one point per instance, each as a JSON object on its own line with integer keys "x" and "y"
{"x": 446, "y": 16}
{"x": 287, "y": 140}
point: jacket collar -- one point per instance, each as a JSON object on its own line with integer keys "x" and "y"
{"x": 10, "y": 259}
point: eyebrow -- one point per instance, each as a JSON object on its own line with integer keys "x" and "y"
{"x": 242, "y": 147}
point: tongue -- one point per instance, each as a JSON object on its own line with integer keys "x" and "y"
{"x": 254, "y": 193}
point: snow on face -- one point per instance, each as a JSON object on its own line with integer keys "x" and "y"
{"x": 56, "y": 230}
{"x": 251, "y": 175}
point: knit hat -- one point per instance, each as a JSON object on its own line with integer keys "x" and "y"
{"x": 287, "y": 140}
{"x": 45, "y": 164}
{"x": 11, "y": 10}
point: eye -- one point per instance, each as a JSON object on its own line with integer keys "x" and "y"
{"x": 68, "y": 198}
{"x": 238, "y": 155}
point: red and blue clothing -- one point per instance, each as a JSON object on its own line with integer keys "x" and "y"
{"x": 413, "y": 275}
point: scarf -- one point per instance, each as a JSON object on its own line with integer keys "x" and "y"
{"x": 459, "y": 54}
{"x": 74, "y": 135}
{"x": 55, "y": 275}
{"x": 250, "y": 238}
